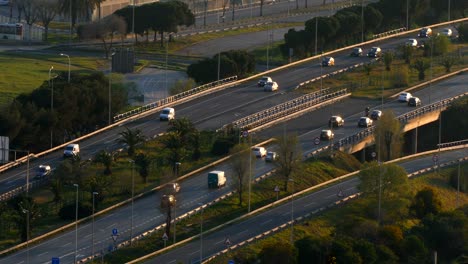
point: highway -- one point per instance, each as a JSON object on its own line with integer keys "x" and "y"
{"x": 194, "y": 189}
{"x": 207, "y": 113}
{"x": 267, "y": 220}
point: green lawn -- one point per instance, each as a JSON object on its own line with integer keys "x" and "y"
{"x": 23, "y": 73}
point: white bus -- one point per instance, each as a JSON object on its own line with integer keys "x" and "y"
{"x": 11, "y": 31}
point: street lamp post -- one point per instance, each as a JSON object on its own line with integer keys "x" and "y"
{"x": 69, "y": 64}
{"x": 110, "y": 89}
{"x": 27, "y": 174}
{"x": 362, "y": 20}
{"x": 292, "y": 211}
{"x": 133, "y": 193}
{"x": 92, "y": 252}
{"x": 51, "y": 104}
{"x": 27, "y": 234}
{"x": 201, "y": 233}
{"x": 177, "y": 164}
{"x": 76, "y": 222}
{"x": 250, "y": 172}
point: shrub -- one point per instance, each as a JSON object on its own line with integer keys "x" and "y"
{"x": 400, "y": 77}
{"x": 68, "y": 212}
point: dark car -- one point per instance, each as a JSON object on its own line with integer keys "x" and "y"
{"x": 335, "y": 121}
{"x": 357, "y": 52}
{"x": 364, "y": 122}
{"x": 414, "y": 101}
{"x": 327, "y": 135}
{"x": 374, "y": 52}
{"x": 376, "y": 114}
{"x": 172, "y": 188}
{"x": 328, "y": 61}
{"x": 168, "y": 200}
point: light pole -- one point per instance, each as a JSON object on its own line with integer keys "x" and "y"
{"x": 219, "y": 63}
{"x": 76, "y": 222}
{"x": 316, "y": 28}
{"x": 27, "y": 174}
{"x": 201, "y": 233}
{"x": 110, "y": 88}
{"x": 292, "y": 211}
{"x": 71, "y": 23}
{"x": 27, "y": 234}
{"x": 133, "y": 193}
{"x": 448, "y": 10}
{"x": 92, "y": 252}
{"x": 362, "y": 21}
{"x": 407, "y": 14}
{"x": 51, "y": 104}
{"x": 133, "y": 22}
{"x": 63, "y": 54}
{"x": 250, "y": 171}
{"x": 177, "y": 164}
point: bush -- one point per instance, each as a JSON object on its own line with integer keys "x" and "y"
{"x": 222, "y": 146}
{"x": 68, "y": 212}
{"x": 400, "y": 77}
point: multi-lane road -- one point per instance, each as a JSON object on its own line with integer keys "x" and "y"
{"x": 274, "y": 217}
{"x": 194, "y": 190}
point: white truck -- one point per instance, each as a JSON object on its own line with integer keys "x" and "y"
{"x": 216, "y": 179}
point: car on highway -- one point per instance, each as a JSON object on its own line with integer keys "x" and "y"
{"x": 328, "y": 61}
{"x": 414, "y": 101}
{"x": 335, "y": 121}
{"x": 42, "y": 171}
{"x": 326, "y": 134}
{"x": 168, "y": 200}
{"x": 357, "y": 52}
{"x": 404, "y": 97}
{"x": 364, "y": 122}
{"x": 71, "y": 150}
{"x": 374, "y": 52}
{"x": 376, "y": 114}
{"x": 270, "y": 87}
{"x": 264, "y": 80}
{"x": 446, "y": 32}
{"x": 411, "y": 42}
{"x": 425, "y": 32}
{"x": 167, "y": 114}
{"x": 259, "y": 152}
{"x": 271, "y": 156}
{"x": 172, "y": 188}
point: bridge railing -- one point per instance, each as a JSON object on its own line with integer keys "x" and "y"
{"x": 285, "y": 109}
{"x": 173, "y": 98}
{"x": 358, "y": 137}
{"x": 453, "y": 143}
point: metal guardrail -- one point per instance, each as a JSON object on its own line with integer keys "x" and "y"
{"x": 388, "y": 33}
{"x": 284, "y": 109}
{"x": 15, "y": 192}
{"x": 172, "y": 99}
{"x": 358, "y": 137}
{"x": 453, "y": 143}
{"x": 17, "y": 162}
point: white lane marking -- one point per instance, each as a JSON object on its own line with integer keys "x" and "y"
{"x": 267, "y": 221}
{"x": 310, "y": 204}
{"x": 42, "y": 253}
{"x": 67, "y": 244}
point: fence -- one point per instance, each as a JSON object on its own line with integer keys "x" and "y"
{"x": 285, "y": 109}
{"x": 388, "y": 33}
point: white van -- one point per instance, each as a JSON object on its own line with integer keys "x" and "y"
{"x": 72, "y": 150}
{"x": 167, "y": 113}
{"x": 216, "y": 179}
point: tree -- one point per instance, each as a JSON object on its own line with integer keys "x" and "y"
{"x": 143, "y": 162}
{"x": 47, "y": 10}
{"x": 414, "y": 250}
{"x": 393, "y": 180}
{"x": 454, "y": 122}
{"x": 289, "y": 158}
{"x": 79, "y": 9}
{"x": 421, "y": 66}
{"x": 26, "y": 211}
{"x": 105, "y": 30}
{"x": 181, "y": 86}
{"x": 388, "y": 136}
{"x": 241, "y": 155}
{"x": 176, "y": 151}
{"x": 309, "y": 248}
{"x": 105, "y": 158}
{"x": 406, "y": 53}
{"x": 388, "y": 59}
{"x": 448, "y": 62}
{"x": 278, "y": 253}
{"x": 426, "y": 202}
{"x": 463, "y": 32}
{"x": 437, "y": 45}
{"x": 29, "y": 8}
{"x": 131, "y": 138}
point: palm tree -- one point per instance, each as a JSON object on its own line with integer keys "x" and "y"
{"x": 421, "y": 66}
{"x": 131, "y": 138}
{"x": 143, "y": 162}
{"x": 184, "y": 127}
{"x": 106, "y": 159}
{"x": 173, "y": 143}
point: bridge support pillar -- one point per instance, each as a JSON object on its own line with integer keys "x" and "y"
{"x": 414, "y": 140}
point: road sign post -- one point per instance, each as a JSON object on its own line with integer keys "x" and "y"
{"x": 373, "y": 154}
{"x": 165, "y": 238}
{"x": 55, "y": 260}
{"x": 277, "y": 189}
{"x": 316, "y": 141}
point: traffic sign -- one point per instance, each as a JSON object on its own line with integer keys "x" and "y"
{"x": 115, "y": 232}
{"x": 55, "y": 261}
{"x": 245, "y": 133}
{"x": 231, "y": 261}
{"x": 164, "y": 237}
{"x": 373, "y": 154}
{"x": 435, "y": 158}
{"x": 227, "y": 242}
{"x": 277, "y": 188}
{"x": 316, "y": 140}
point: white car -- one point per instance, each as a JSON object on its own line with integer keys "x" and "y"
{"x": 271, "y": 156}
{"x": 404, "y": 97}
{"x": 446, "y": 32}
{"x": 327, "y": 134}
{"x": 411, "y": 42}
{"x": 167, "y": 113}
{"x": 259, "y": 152}
{"x": 364, "y": 122}
{"x": 270, "y": 87}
